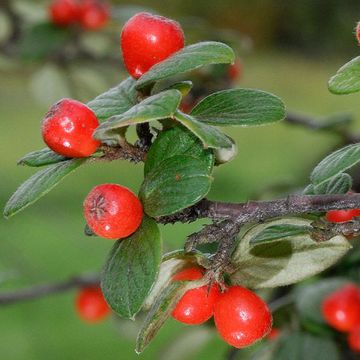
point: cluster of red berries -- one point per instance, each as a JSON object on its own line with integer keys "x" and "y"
{"x": 89, "y": 14}
{"x": 341, "y": 310}
{"x": 241, "y": 317}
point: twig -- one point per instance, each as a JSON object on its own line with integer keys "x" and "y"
{"x": 38, "y": 291}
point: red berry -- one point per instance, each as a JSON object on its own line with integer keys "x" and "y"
{"x": 148, "y": 39}
{"x": 91, "y": 305}
{"x": 241, "y": 317}
{"x": 93, "y": 14}
{"x": 112, "y": 211}
{"x": 337, "y": 216}
{"x": 358, "y": 32}
{"x": 68, "y": 128}
{"x": 197, "y": 305}
{"x": 234, "y": 70}
{"x": 341, "y": 309}
{"x": 354, "y": 339}
{"x": 274, "y": 334}
{"x": 63, "y": 12}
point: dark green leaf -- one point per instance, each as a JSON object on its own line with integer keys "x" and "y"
{"x": 177, "y": 141}
{"x": 300, "y": 346}
{"x": 286, "y": 261}
{"x": 39, "y": 184}
{"x": 241, "y": 107}
{"x": 40, "y": 158}
{"x": 115, "y": 101}
{"x": 183, "y": 86}
{"x": 189, "y": 58}
{"x": 42, "y": 40}
{"x": 278, "y": 232}
{"x": 156, "y": 107}
{"x": 308, "y": 298}
{"x": 347, "y": 79}
{"x": 336, "y": 163}
{"x": 210, "y": 136}
{"x": 177, "y": 183}
{"x": 131, "y": 269}
{"x": 338, "y": 184}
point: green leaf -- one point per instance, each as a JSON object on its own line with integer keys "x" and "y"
{"x": 161, "y": 309}
{"x": 279, "y": 232}
{"x": 175, "y": 184}
{"x": 156, "y": 107}
{"x": 347, "y": 79}
{"x": 286, "y": 261}
{"x": 240, "y": 107}
{"x": 41, "y": 157}
{"x": 115, "y": 101}
{"x": 301, "y": 345}
{"x": 39, "y": 184}
{"x": 336, "y": 163}
{"x": 177, "y": 141}
{"x": 309, "y": 297}
{"x": 131, "y": 269}
{"x": 189, "y": 58}
{"x": 210, "y": 136}
{"x": 338, "y": 184}
{"x": 42, "y": 40}
{"x": 183, "y": 86}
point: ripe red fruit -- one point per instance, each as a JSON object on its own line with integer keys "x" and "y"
{"x": 148, "y": 39}
{"x": 197, "y": 305}
{"x": 241, "y": 317}
{"x": 274, "y": 334}
{"x": 235, "y": 70}
{"x": 68, "y": 128}
{"x": 337, "y": 216}
{"x": 91, "y": 305}
{"x": 93, "y": 14}
{"x": 358, "y": 32}
{"x": 354, "y": 339}
{"x": 112, "y": 211}
{"x": 341, "y": 309}
{"x": 63, "y": 12}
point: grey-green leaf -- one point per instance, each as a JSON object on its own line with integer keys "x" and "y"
{"x": 347, "y": 79}
{"x": 131, "y": 269}
{"x": 336, "y": 163}
{"x": 115, "y": 101}
{"x": 156, "y": 107}
{"x": 189, "y": 58}
{"x": 41, "y": 157}
{"x": 240, "y": 107}
{"x": 338, "y": 184}
{"x": 177, "y": 183}
{"x": 284, "y": 262}
{"x": 177, "y": 141}
{"x": 210, "y": 136}
{"x": 39, "y": 184}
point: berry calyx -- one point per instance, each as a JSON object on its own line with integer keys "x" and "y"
{"x": 241, "y": 317}
{"x": 112, "y": 211}
{"x": 341, "y": 309}
{"x": 63, "y": 12}
{"x": 91, "y": 305}
{"x": 337, "y": 216}
{"x": 354, "y": 339}
{"x": 68, "y": 127}
{"x": 197, "y": 305}
{"x": 148, "y": 39}
{"x": 93, "y": 14}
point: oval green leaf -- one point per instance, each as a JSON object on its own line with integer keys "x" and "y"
{"x": 41, "y": 157}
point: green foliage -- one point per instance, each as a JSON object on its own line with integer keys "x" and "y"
{"x": 40, "y": 158}
{"x": 283, "y": 261}
{"x": 131, "y": 269}
{"x": 347, "y": 79}
{"x": 338, "y": 184}
{"x": 240, "y": 107}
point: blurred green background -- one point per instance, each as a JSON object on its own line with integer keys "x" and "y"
{"x": 296, "y": 48}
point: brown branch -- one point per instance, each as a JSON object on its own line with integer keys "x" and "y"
{"x": 38, "y": 291}
{"x": 127, "y": 152}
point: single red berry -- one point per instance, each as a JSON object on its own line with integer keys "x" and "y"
{"x": 197, "y": 305}
{"x": 274, "y": 334}
{"x": 93, "y": 14}
{"x": 358, "y": 32}
{"x": 91, "y": 305}
{"x": 341, "y": 309}
{"x": 68, "y": 128}
{"x": 337, "y": 216}
{"x": 112, "y": 211}
{"x": 63, "y": 12}
{"x": 354, "y": 339}
{"x": 235, "y": 70}
{"x": 148, "y": 39}
{"x": 241, "y": 317}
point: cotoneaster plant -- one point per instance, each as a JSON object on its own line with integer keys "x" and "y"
{"x": 261, "y": 244}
